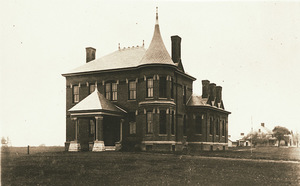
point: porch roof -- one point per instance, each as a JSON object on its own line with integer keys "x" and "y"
{"x": 96, "y": 102}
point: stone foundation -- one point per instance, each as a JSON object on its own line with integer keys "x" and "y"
{"x": 74, "y": 146}
{"x": 207, "y": 146}
{"x": 98, "y": 146}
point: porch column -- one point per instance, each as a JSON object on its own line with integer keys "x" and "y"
{"x": 99, "y": 143}
{"x": 99, "y": 128}
{"x": 121, "y": 127}
{"x": 75, "y": 145}
{"x": 76, "y": 128}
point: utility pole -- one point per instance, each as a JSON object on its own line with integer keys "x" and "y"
{"x": 251, "y": 134}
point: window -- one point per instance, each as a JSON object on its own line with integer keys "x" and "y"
{"x": 149, "y": 87}
{"x": 111, "y": 92}
{"x": 108, "y": 91}
{"x": 184, "y": 95}
{"x": 162, "y": 87}
{"x": 114, "y": 91}
{"x": 132, "y": 123}
{"x": 198, "y": 124}
{"x": 162, "y": 122}
{"x": 211, "y": 128}
{"x": 132, "y": 90}
{"x": 92, "y": 126}
{"x": 92, "y": 88}
{"x": 217, "y": 127}
{"x": 172, "y": 88}
{"x": 149, "y": 122}
{"x": 172, "y": 123}
{"x": 75, "y": 94}
{"x": 224, "y": 128}
{"x": 184, "y": 125}
{"x": 132, "y": 127}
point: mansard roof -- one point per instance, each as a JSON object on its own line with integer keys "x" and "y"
{"x": 96, "y": 102}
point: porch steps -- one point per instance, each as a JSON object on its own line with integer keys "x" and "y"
{"x": 110, "y": 148}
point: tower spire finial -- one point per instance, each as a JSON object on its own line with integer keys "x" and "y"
{"x": 156, "y": 15}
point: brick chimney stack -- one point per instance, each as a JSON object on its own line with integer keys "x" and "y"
{"x": 212, "y": 92}
{"x": 205, "y": 88}
{"x": 176, "y": 48}
{"x": 90, "y": 54}
{"x": 218, "y": 94}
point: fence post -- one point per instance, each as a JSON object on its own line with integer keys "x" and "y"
{"x": 28, "y": 149}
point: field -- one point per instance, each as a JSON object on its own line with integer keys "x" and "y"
{"x": 53, "y": 166}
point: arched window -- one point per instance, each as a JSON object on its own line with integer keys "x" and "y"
{"x": 172, "y": 123}
{"x": 198, "y": 124}
{"x": 75, "y": 93}
{"x": 224, "y": 128}
{"x": 162, "y": 87}
{"x": 217, "y": 127}
{"x": 211, "y": 126}
{"x": 132, "y": 90}
{"x": 184, "y": 125}
{"x": 172, "y": 88}
{"x": 149, "y": 127}
{"x": 162, "y": 122}
{"x": 149, "y": 87}
{"x": 111, "y": 91}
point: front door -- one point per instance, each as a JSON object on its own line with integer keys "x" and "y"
{"x": 111, "y": 130}
{"x": 83, "y": 134}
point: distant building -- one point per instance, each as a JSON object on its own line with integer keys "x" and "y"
{"x": 137, "y": 98}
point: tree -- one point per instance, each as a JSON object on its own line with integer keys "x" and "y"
{"x": 296, "y": 138}
{"x": 3, "y": 141}
{"x": 279, "y": 133}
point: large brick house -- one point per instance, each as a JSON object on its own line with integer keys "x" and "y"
{"x": 137, "y": 98}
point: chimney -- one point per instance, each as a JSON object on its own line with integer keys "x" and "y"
{"x": 176, "y": 48}
{"x": 218, "y": 94}
{"x": 262, "y": 124}
{"x": 212, "y": 92}
{"x": 205, "y": 88}
{"x": 90, "y": 54}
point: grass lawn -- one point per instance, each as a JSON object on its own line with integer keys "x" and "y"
{"x": 52, "y": 166}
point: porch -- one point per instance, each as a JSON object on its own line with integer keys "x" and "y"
{"x": 98, "y": 125}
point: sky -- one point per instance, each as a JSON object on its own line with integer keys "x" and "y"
{"x": 250, "y": 48}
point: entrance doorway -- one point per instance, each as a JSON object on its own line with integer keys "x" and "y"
{"x": 111, "y": 130}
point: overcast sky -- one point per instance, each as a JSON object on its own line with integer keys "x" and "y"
{"x": 251, "y": 49}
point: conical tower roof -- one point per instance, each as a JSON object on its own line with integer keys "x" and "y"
{"x": 157, "y": 52}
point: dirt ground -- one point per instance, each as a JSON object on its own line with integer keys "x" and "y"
{"x": 53, "y": 166}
